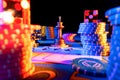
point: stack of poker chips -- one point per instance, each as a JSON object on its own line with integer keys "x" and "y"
{"x": 102, "y": 34}
{"x": 89, "y": 39}
{"x": 36, "y": 35}
{"x": 113, "y": 72}
{"x": 50, "y": 32}
{"x": 15, "y": 52}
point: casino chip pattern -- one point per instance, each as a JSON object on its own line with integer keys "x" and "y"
{"x": 90, "y": 66}
{"x": 15, "y": 52}
{"x": 113, "y": 16}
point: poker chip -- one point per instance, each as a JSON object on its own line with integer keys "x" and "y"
{"x": 92, "y": 53}
{"x": 112, "y": 71}
{"x": 113, "y": 57}
{"x": 19, "y": 60}
{"x": 88, "y": 42}
{"x": 116, "y": 22}
{"x": 114, "y": 38}
{"x": 87, "y": 28}
{"x": 116, "y": 30}
{"x": 114, "y": 17}
{"x": 21, "y": 76}
{"x": 93, "y": 37}
{"x": 92, "y": 44}
{"x": 112, "y": 11}
{"x": 90, "y": 66}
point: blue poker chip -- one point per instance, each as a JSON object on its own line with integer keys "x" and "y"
{"x": 92, "y": 37}
{"x": 110, "y": 73}
{"x": 92, "y": 44}
{"x": 87, "y": 28}
{"x": 114, "y": 64}
{"x": 114, "y": 17}
{"x": 113, "y": 71}
{"x": 112, "y": 11}
{"x": 89, "y": 42}
{"x": 115, "y": 38}
{"x": 90, "y": 66}
{"x": 92, "y": 53}
{"x": 99, "y": 49}
{"x": 114, "y": 56}
{"x": 92, "y": 48}
{"x": 116, "y": 30}
{"x": 115, "y": 48}
{"x": 114, "y": 43}
{"x": 115, "y": 22}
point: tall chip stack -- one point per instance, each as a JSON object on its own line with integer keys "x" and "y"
{"x": 89, "y": 39}
{"x": 15, "y": 52}
{"x": 15, "y": 49}
{"x": 113, "y": 70}
{"x": 102, "y": 34}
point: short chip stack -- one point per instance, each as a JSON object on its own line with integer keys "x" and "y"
{"x": 15, "y": 52}
{"x": 50, "y": 32}
{"x": 113, "y": 70}
{"x": 89, "y": 39}
{"x": 102, "y": 34}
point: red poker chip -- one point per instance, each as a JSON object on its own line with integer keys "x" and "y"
{"x": 17, "y": 65}
{"x": 6, "y": 26}
{"x": 18, "y": 53}
{"x": 19, "y": 60}
{"x": 12, "y": 70}
{"x": 8, "y": 31}
{"x": 9, "y": 44}
{"x": 15, "y": 56}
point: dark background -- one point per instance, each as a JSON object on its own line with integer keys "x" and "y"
{"x": 72, "y": 12}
